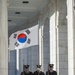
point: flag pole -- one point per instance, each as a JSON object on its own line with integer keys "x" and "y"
{"x": 17, "y": 61}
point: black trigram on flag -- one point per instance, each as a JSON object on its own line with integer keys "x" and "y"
{"x": 28, "y": 41}
{"x": 27, "y": 31}
{"x": 16, "y": 44}
{"x": 15, "y": 35}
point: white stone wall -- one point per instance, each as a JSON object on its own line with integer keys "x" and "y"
{"x": 48, "y": 36}
{"x": 56, "y": 11}
{"x": 62, "y": 36}
{"x": 46, "y": 46}
{"x": 44, "y": 40}
{"x": 28, "y": 56}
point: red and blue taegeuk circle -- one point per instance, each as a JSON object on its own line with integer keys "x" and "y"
{"x": 22, "y": 38}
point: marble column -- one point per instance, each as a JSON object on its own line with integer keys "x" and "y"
{"x": 62, "y": 37}
{"x": 71, "y": 38}
{"x": 3, "y": 38}
{"x": 40, "y": 42}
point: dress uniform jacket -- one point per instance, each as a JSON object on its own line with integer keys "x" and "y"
{"x": 23, "y": 73}
{"x": 39, "y": 73}
{"x": 51, "y": 73}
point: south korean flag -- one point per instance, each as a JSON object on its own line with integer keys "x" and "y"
{"x": 20, "y": 39}
{"x": 24, "y": 38}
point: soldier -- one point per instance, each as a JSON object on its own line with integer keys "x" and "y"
{"x": 26, "y": 70}
{"x": 38, "y": 71}
{"x": 50, "y": 70}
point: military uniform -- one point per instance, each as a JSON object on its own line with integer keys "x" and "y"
{"x": 38, "y": 72}
{"x": 52, "y": 72}
{"x": 25, "y": 67}
{"x": 23, "y": 73}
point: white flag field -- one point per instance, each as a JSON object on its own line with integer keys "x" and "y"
{"x": 24, "y": 38}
